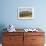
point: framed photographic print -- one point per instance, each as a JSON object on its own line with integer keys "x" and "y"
{"x": 25, "y": 13}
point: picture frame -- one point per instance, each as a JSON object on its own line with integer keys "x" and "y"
{"x": 25, "y": 13}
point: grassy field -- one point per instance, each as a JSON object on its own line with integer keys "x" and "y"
{"x": 25, "y": 14}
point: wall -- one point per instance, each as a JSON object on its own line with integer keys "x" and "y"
{"x": 9, "y": 13}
